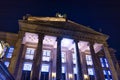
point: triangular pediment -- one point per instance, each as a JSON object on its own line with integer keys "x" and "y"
{"x": 60, "y": 23}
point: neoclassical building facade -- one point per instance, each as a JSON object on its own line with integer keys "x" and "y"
{"x": 55, "y": 48}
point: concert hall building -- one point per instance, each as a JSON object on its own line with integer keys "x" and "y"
{"x": 55, "y": 48}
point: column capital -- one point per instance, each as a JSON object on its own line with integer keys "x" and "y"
{"x": 21, "y": 34}
{"x": 91, "y": 43}
{"x": 59, "y": 38}
{"x": 105, "y": 44}
{"x": 76, "y": 40}
{"x": 40, "y": 35}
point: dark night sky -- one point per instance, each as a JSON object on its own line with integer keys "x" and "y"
{"x": 101, "y": 14}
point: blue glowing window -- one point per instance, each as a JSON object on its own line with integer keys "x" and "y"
{"x": 2, "y": 77}
{"x": 90, "y": 71}
{"x": 75, "y": 70}
{"x": 9, "y": 52}
{"x": 27, "y": 66}
{"x": 6, "y": 63}
{"x": 104, "y": 62}
{"x": 63, "y": 69}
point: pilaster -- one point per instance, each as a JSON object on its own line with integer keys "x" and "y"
{"x": 16, "y": 55}
{"x": 110, "y": 62}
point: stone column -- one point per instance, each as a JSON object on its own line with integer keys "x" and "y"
{"x": 20, "y": 63}
{"x": 79, "y": 65}
{"x": 35, "y": 72}
{"x": 95, "y": 61}
{"x": 110, "y": 62}
{"x": 59, "y": 61}
{"x": 16, "y": 54}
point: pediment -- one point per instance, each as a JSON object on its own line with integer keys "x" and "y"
{"x": 60, "y": 23}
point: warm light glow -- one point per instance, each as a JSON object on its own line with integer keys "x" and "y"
{"x": 70, "y": 76}
{"x": 60, "y": 19}
{"x": 86, "y": 76}
{"x": 53, "y": 74}
{"x": 1, "y": 50}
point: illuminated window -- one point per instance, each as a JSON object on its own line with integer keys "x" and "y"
{"x": 63, "y": 69}
{"x": 90, "y": 71}
{"x": 29, "y": 53}
{"x": 109, "y": 72}
{"x": 6, "y": 63}
{"x": 89, "y": 60}
{"x": 104, "y": 72}
{"x": 75, "y": 70}
{"x": 104, "y": 62}
{"x": 63, "y": 55}
{"x": 10, "y": 52}
{"x": 45, "y": 68}
{"x": 74, "y": 58}
{"x": 27, "y": 66}
{"x": 46, "y": 55}
{"x": 2, "y": 77}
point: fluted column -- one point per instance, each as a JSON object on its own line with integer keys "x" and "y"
{"x": 110, "y": 62}
{"x": 95, "y": 61}
{"x": 79, "y": 65}
{"x": 59, "y": 61}
{"x": 35, "y": 73}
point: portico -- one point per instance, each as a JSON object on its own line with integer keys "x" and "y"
{"x": 54, "y": 48}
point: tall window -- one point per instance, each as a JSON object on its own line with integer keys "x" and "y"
{"x": 90, "y": 71}
{"x": 8, "y": 55}
{"x": 45, "y": 72}
{"x": 106, "y": 70}
{"x": 74, "y": 70}
{"x": 63, "y": 73}
{"x": 29, "y": 53}
{"x": 74, "y": 58}
{"x": 89, "y": 60}
{"x": 46, "y": 55}
{"x": 90, "y": 68}
{"x": 7, "y": 63}
{"x": 9, "y": 52}
{"x": 27, "y": 66}
{"x": 63, "y": 55}
{"x": 104, "y": 62}
{"x": 45, "y": 68}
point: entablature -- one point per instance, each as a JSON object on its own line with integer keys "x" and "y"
{"x": 49, "y": 30}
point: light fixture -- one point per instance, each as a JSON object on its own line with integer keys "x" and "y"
{"x": 70, "y": 76}
{"x": 53, "y": 74}
{"x": 86, "y": 77}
